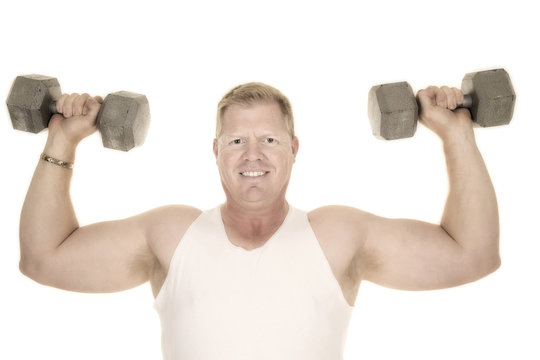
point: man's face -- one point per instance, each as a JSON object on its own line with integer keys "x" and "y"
{"x": 255, "y": 154}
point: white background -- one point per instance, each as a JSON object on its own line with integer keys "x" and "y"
{"x": 325, "y": 56}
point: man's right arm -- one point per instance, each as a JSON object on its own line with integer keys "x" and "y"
{"x": 102, "y": 257}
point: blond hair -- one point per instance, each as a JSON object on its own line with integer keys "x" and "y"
{"x": 253, "y": 93}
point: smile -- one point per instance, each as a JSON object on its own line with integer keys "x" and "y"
{"x": 253, "y": 173}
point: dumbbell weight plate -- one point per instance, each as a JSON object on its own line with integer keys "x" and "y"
{"x": 29, "y": 102}
{"x": 123, "y": 120}
{"x": 392, "y": 111}
{"x": 492, "y": 97}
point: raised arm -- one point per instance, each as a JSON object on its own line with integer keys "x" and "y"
{"x": 103, "y": 257}
{"x": 416, "y": 255}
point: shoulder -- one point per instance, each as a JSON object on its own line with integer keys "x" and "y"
{"x": 342, "y": 232}
{"x": 164, "y": 227}
{"x": 340, "y": 226}
{"x": 345, "y": 217}
{"x": 170, "y": 215}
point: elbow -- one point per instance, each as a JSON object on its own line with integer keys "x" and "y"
{"x": 28, "y": 262}
{"x": 486, "y": 264}
{"x": 495, "y": 264}
{"x": 481, "y": 256}
{"x": 36, "y": 262}
{"x": 28, "y": 268}
{"x": 492, "y": 257}
{"x": 33, "y": 269}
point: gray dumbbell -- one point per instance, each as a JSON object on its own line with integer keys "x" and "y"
{"x": 123, "y": 118}
{"x": 393, "y": 110}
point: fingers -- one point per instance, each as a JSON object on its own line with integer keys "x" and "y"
{"x": 77, "y": 104}
{"x": 445, "y": 97}
{"x": 92, "y": 105}
{"x": 459, "y": 96}
{"x": 60, "y": 103}
{"x": 454, "y": 97}
{"x": 449, "y": 98}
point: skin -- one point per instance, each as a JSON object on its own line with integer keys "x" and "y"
{"x": 398, "y": 253}
{"x": 254, "y": 140}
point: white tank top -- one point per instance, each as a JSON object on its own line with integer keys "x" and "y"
{"x": 279, "y": 301}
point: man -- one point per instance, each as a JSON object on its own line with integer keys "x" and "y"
{"x": 256, "y": 278}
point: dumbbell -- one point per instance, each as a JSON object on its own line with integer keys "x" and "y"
{"x": 393, "y": 110}
{"x": 123, "y": 119}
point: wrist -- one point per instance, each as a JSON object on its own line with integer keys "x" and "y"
{"x": 459, "y": 145}
{"x": 59, "y": 148}
{"x": 458, "y": 137}
{"x": 55, "y": 161}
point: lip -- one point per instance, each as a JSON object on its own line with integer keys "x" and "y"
{"x": 253, "y": 173}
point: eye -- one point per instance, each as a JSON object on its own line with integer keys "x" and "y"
{"x": 236, "y": 142}
{"x": 270, "y": 140}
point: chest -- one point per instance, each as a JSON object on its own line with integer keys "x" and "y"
{"x": 248, "y": 302}
{"x": 280, "y": 299}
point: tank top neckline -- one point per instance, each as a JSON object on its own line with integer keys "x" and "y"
{"x": 256, "y": 250}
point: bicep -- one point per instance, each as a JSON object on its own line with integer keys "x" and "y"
{"x": 103, "y": 257}
{"x": 414, "y": 255}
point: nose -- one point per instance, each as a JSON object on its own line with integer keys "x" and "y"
{"x": 253, "y": 151}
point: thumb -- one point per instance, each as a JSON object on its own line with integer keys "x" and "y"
{"x": 55, "y": 118}
{"x": 463, "y": 113}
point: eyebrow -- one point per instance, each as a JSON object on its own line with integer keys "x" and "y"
{"x": 266, "y": 134}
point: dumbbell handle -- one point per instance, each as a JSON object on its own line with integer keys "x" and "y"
{"x": 467, "y": 102}
{"x": 53, "y": 110}
{"x": 52, "y": 107}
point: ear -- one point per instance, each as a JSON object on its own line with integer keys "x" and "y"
{"x": 295, "y": 145}
{"x": 215, "y": 147}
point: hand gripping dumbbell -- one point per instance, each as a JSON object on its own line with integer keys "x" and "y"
{"x": 393, "y": 110}
{"x": 123, "y": 119}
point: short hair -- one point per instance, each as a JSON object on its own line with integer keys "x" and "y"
{"x": 253, "y": 93}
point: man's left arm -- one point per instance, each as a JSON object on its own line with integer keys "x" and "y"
{"x": 471, "y": 214}
{"x": 415, "y": 255}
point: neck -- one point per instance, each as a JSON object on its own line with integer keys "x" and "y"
{"x": 252, "y": 225}
{"x": 241, "y": 214}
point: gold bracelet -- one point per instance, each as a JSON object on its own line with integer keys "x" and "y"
{"x": 64, "y": 164}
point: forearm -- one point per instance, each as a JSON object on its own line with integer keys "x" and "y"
{"x": 47, "y": 216}
{"x": 471, "y": 215}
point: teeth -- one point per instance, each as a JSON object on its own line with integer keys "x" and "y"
{"x": 253, "y": 173}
